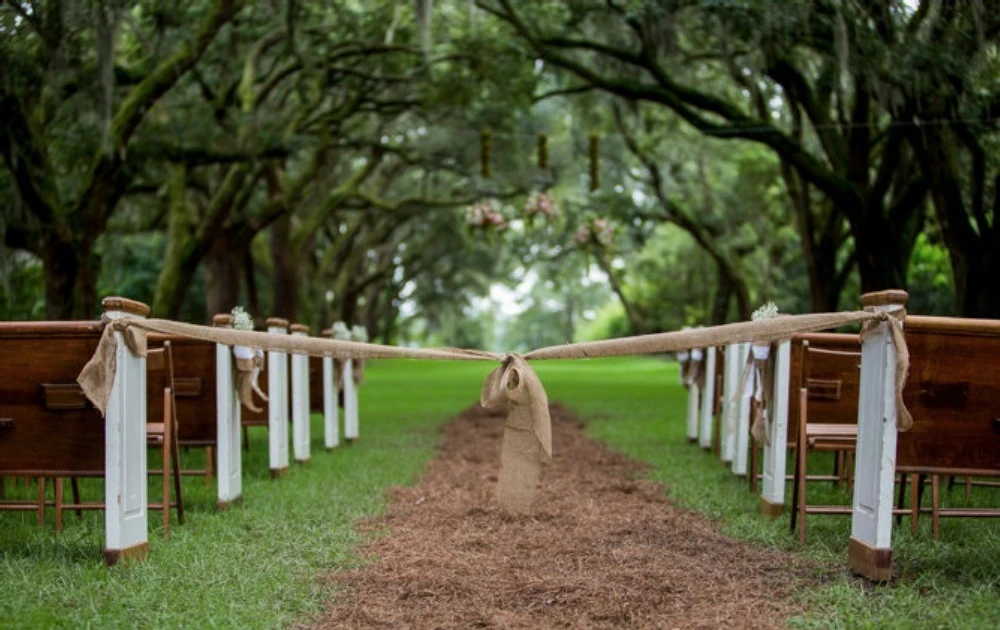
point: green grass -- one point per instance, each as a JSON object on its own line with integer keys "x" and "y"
{"x": 637, "y": 407}
{"x": 259, "y": 566}
{"x": 252, "y": 567}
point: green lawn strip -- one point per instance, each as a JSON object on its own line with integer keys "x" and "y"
{"x": 638, "y": 407}
{"x": 255, "y": 566}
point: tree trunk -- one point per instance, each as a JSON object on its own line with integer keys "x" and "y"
{"x": 223, "y": 264}
{"x": 70, "y": 279}
{"x": 720, "y": 303}
{"x": 981, "y": 298}
{"x": 286, "y": 285}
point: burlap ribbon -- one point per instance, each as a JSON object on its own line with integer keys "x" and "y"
{"x": 514, "y": 386}
{"x": 527, "y": 439}
{"x": 247, "y": 374}
{"x": 904, "y": 420}
{"x": 98, "y": 376}
{"x": 758, "y": 379}
{"x": 357, "y": 369}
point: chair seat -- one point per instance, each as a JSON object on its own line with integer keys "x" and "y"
{"x": 814, "y": 429}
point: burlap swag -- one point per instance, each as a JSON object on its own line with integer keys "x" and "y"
{"x": 513, "y": 386}
{"x": 247, "y": 374}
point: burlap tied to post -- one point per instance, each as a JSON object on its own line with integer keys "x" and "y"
{"x": 98, "y": 377}
{"x": 513, "y": 387}
{"x": 758, "y": 380}
{"x": 527, "y": 439}
{"x": 247, "y": 374}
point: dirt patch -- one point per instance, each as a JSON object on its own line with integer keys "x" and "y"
{"x": 603, "y": 549}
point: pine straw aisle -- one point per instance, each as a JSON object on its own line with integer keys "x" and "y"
{"x": 603, "y": 549}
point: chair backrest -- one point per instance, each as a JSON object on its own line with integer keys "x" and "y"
{"x": 832, "y": 397}
{"x": 953, "y": 393}
{"x": 832, "y": 379}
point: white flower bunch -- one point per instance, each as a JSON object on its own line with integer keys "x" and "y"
{"x": 359, "y": 333}
{"x": 241, "y": 319}
{"x": 768, "y": 311}
{"x": 341, "y": 331}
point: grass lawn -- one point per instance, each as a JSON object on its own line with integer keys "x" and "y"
{"x": 252, "y": 567}
{"x": 257, "y": 566}
{"x": 637, "y": 406}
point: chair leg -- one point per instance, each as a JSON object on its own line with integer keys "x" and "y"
{"x": 838, "y": 468}
{"x": 915, "y": 483}
{"x": 208, "y": 466}
{"x": 75, "y": 485}
{"x": 935, "y": 506}
{"x": 41, "y": 501}
{"x": 795, "y": 495}
{"x": 177, "y": 466}
{"x": 59, "y": 503}
{"x": 246, "y": 439}
{"x": 167, "y": 450}
{"x": 968, "y": 488}
{"x": 900, "y": 501}
{"x": 2, "y": 488}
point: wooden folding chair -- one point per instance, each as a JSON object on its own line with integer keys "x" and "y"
{"x": 163, "y": 435}
{"x": 831, "y": 378}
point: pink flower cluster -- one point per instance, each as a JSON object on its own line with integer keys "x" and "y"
{"x": 598, "y": 231}
{"x": 541, "y": 203}
{"x": 482, "y": 216}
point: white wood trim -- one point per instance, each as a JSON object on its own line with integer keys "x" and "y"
{"x": 227, "y": 413}
{"x": 300, "y": 404}
{"x": 277, "y": 406}
{"x": 775, "y": 453}
{"x": 351, "y": 420}
{"x": 741, "y": 443}
{"x": 331, "y": 415}
{"x": 875, "y": 462}
{"x": 730, "y": 402}
{"x": 126, "y": 503}
{"x": 708, "y": 401}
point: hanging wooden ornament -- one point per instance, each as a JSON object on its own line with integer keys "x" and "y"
{"x": 594, "y": 166}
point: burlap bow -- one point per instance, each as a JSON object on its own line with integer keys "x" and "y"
{"x": 247, "y": 375}
{"x": 527, "y": 440}
{"x": 758, "y": 379}
{"x": 98, "y": 377}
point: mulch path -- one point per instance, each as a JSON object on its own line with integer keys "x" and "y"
{"x": 603, "y": 549}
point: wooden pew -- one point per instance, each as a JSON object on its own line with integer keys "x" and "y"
{"x": 48, "y": 429}
{"x": 953, "y": 393}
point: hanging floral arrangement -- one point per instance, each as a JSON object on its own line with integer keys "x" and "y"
{"x": 540, "y": 204}
{"x": 484, "y": 216}
{"x": 597, "y": 232}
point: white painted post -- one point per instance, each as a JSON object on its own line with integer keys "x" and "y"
{"x": 277, "y": 406}
{"x": 126, "y": 504}
{"x": 331, "y": 414}
{"x": 870, "y": 547}
{"x": 741, "y": 442}
{"x": 694, "y": 398}
{"x": 730, "y": 406}
{"x": 350, "y": 402}
{"x": 227, "y": 413}
{"x": 708, "y": 400}
{"x": 741, "y": 438}
{"x": 772, "y": 497}
{"x": 300, "y": 400}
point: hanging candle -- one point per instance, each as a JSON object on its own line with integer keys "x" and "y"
{"x": 594, "y": 173}
{"x": 485, "y": 145}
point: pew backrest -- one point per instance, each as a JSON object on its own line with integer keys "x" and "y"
{"x": 953, "y": 394}
{"x": 47, "y": 426}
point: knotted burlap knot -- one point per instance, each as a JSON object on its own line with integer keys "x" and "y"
{"x": 527, "y": 440}
{"x": 98, "y": 377}
{"x": 247, "y": 372}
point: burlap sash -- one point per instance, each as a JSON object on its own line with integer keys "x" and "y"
{"x": 758, "y": 377}
{"x": 514, "y": 386}
{"x": 527, "y": 439}
{"x": 247, "y": 371}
